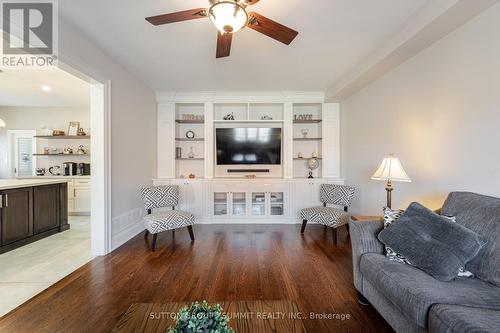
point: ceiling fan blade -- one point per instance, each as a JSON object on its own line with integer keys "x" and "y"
{"x": 224, "y": 44}
{"x": 186, "y": 15}
{"x": 271, "y": 28}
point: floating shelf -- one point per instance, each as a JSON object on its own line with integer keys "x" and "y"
{"x": 191, "y": 140}
{"x": 248, "y": 121}
{"x": 81, "y": 137}
{"x": 307, "y": 139}
{"x": 189, "y": 159}
{"x": 313, "y": 121}
{"x": 61, "y": 154}
{"x": 180, "y": 121}
{"x": 305, "y": 158}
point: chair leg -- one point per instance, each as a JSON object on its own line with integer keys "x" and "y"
{"x": 304, "y": 223}
{"x": 153, "y": 246}
{"x": 191, "y": 233}
{"x": 173, "y": 232}
{"x": 146, "y": 234}
{"x": 347, "y": 228}
{"x": 326, "y": 227}
{"x": 334, "y": 230}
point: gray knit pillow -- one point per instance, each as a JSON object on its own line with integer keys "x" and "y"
{"x": 392, "y": 215}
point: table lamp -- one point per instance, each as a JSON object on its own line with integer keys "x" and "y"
{"x": 391, "y": 170}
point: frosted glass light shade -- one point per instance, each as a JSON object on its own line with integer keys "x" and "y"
{"x": 2, "y": 123}
{"x": 392, "y": 169}
{"x": 228, "y": 16}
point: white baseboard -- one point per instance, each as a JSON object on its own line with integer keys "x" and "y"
{"x": 126, "y": 226}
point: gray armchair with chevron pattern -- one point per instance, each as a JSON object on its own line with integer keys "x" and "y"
{"x": 330, "y": 194}
{"x": 158, "y": 219}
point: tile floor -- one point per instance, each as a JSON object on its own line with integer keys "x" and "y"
{"x": 26, "y": 271}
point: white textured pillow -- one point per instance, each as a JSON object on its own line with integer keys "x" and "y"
{"x": 391, "y": 215}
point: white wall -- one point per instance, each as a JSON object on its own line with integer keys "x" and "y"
{"x": 34, "y": 118}
{"x": 133, "y": 132}
{"x": 439, "y": 112}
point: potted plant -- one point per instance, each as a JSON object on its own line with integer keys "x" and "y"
{"x": 201, "y": 317}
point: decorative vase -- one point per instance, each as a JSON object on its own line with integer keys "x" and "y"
{"x": 191, "y": 153}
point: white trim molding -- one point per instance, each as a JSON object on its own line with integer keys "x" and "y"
{"x": 241, "y": 96}
{"x": 126, "y": 226}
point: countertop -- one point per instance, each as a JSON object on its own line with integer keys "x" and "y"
{"x": 6, "y": 184}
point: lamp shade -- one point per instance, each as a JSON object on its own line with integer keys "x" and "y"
{"x": 2, "y": 123}
{"x": 391, "y": 169}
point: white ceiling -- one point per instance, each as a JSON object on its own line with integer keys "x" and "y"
{"x": 335, "y": 35}
{"x": 24, "y": 88}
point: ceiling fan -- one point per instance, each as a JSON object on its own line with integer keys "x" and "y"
{"x": 230, "y": 16}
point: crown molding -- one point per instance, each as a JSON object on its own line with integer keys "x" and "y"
{"x": 241, "y": 97}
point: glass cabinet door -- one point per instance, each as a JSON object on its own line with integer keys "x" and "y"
{"x": 239, "y": 203}
{"x": 277, "y": 204}
{"x": 258, "y": 203}
{"x": 220, "y": 203}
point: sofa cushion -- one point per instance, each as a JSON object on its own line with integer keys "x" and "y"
{"x": 481, "y": 214}
{"x": 413, "y": 291}
{"x": 447, "y": 318}
{"x": 432, "y": 242}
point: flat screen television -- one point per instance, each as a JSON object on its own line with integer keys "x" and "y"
{"x": 248, "y": 146}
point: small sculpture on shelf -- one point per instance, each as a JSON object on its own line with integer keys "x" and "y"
{"x": 81, "y": 132}
{"x": 81, "y": 150}
{"x": 312, "y": 164}
{"x": 192, "y": 176}
{"x": 304, "y": 132}
{"x": 68, "y": 151}
{"x": 191, "y": 153}
{"x": 229, "y": 116}
{"x": 266, "y": 118}
{"x": 299, "y": 155}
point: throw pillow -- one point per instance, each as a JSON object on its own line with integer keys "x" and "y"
{"x": 432, "y": 242}
{"x": 392, "y": 215}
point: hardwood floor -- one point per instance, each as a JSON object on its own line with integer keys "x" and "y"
{"x": 224, "y": 263}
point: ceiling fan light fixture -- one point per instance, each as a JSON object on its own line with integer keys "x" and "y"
{"x": 228, "y": 16}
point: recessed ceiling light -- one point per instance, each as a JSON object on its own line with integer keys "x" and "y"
{"x": 46, "y": 88}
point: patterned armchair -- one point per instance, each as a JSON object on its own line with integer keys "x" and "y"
{"x": 157, "y": 197}
{"x": 339, "y": 195}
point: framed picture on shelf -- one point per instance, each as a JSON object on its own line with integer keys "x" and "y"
{"x": 73, "y": 128}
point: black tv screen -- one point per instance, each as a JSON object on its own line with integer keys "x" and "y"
{"x": 248, "y": 146}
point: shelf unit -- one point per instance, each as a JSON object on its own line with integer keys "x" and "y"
{"x": 189, "y": 140}
{"x": 65, "y": 155}
{"x": 312, "y": 121}
{"x": 279, "y": 110}
{"x": 180, "y": 121}
{"x": 249, "y": 112}
{"x": 63, "y": 137}
{"x": 312, "y": 142}
{"x": 307, "y": 139}
{"x": 184, "y": 165}
{"x": 59, "y": 143}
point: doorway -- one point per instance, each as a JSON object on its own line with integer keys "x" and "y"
{"x": 21, "y": 147}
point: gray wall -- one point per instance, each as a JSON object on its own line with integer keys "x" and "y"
{"x": 439, "y": 113}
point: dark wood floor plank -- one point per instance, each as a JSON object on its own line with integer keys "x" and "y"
{"x": 226, "y": 263}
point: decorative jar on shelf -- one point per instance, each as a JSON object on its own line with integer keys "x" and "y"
{"x": 191, "y": 153}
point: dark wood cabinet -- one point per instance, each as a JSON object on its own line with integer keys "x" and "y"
{"x": 16, "y": 214}
{"x": 46, "y": 208}
{"x": 28, "y": 214}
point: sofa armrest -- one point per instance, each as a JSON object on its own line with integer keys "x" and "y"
{"x": 364, "y": 240}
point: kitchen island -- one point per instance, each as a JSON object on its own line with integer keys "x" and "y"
{"x": 31, "y": 209}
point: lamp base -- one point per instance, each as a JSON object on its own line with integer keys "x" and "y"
{"x": 389, "y": 190}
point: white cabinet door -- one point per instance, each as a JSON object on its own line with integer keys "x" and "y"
{"x": 192, "y": 197}
{"x": 314, "y": 193}
{"x": 82, "y": 199}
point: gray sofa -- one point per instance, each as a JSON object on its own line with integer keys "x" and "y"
{"x": 412, "y": 301}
